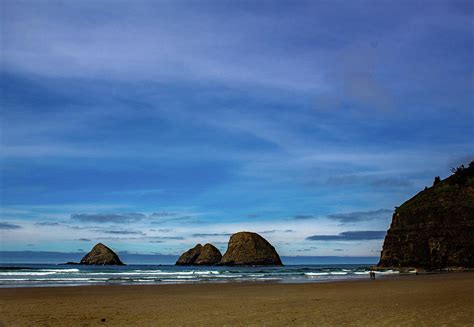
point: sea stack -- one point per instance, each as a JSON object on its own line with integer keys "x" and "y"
{"x": 435, "y": 228}
{"x": 199, "y": 255}
{"x": 250, "y": 249}
{"x": 101, "y": 255}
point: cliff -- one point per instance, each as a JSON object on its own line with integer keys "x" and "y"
{"x": 435, "y": 228}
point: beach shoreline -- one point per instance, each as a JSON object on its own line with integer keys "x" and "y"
{"x": 433, "y": 300}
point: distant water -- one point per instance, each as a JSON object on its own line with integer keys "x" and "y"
{"x": 37, "y": 275}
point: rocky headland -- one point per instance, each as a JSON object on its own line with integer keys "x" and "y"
{"x": 435, "y": 228}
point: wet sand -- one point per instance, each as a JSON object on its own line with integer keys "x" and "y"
{"x": 431, "y": 300}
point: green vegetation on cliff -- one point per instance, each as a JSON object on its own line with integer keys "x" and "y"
{"x": 457, "y": 189}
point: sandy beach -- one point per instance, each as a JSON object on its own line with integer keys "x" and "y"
{"x": 431, "y": 300}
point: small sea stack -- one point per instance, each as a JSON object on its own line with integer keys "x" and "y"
{"x": 250, "y": 249}
{"x": 199, "y": 255}
{"x": 101, "y": 255}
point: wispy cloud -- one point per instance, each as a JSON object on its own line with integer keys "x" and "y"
{"x": 358, "y": 216}
{"x": 272, "y": 231}
{"x": 108, "y": 218}
{"x": 123, "y": 232}
{"x": 164, "y": 214}
{"x": 350, "y": 236}
{"x": 47, "y": 223}
{"x": 210, "y": 234}
{"x": 9, "y": 226}
{"x": 303, "y": 217}
{"x": 163, "y": 238}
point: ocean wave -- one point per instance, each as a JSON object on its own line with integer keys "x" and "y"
{"x": 222, "y": 276}
{"x": 51, "y": 275}
{"x": 211, "y": 272}
{"x": 173, "y": 281}
{"x": 317, "y": 274}
{"x": 26, "y": 273}
{"x": 387, "y": 272}
{"x": 60, "y": 270}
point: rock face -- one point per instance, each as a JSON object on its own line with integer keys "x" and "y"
{"x": 199, "y": 255}
{"x": 210, "y": 255}
{"x": 435, "y": 228}
{"x": 101, "y": 255}
{"x": 189, "y": 257}
{"x": 246, "y": 248}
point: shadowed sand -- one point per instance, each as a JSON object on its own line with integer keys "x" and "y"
{"x": 432, "y": 300}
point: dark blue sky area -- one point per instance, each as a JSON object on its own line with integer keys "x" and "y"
{"x": 163, "y": 121}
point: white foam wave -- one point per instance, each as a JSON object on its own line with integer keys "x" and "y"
{"x": 173, "y": 281}
{"x": 223, "y": 276}
{"x": 387, "y": 272}
{"x": 157, "y": 273}
{"x": 60, "y": 270}
{"x": 317, "y": 274}
{"x": 26, "y": 273}
{"x": 211, "y": 272}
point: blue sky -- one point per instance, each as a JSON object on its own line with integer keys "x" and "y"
{"x": 154, "y": 125}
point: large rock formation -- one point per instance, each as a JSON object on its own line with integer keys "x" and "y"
{"x": 101, "y": 255}
{"x": 435, "y": 228}
{"x": 206, "y": 255}
{"x": 246, "y": 248}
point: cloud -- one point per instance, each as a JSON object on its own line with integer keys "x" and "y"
{"x": 275, "y": 231}
{"x": 176, "y": 219}
{"x": 166, "y": 237}
{"x": 47, "y": 223}
{"x": 376, "y": 182}
{"x": 162, "y": 230}
{"x": 122, "y": 218}
{"x": 357, "y": 216}
{"x": 84, "y": 239}
{"x": 338, "y": 250}
{"x": 349, "y": 236}
{"x": 122, "y": 232}
{"x": 210, "y": 234}
{"x": 390, "y": 183}
{"x": 9, "y": 226}
{"x": 303, "y": 217}
{"x": 163, "y": 214}
{"x": 307, "y": 249}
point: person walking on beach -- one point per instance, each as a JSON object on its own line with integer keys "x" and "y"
{"x": 372, "y": 274}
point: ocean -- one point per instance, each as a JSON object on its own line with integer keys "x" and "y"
{"x": 40, "y": 275}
